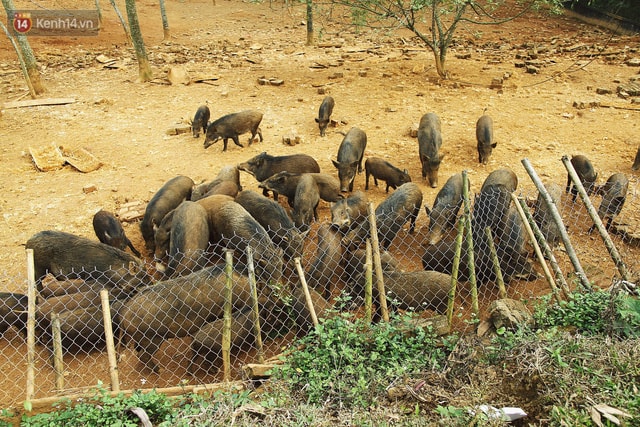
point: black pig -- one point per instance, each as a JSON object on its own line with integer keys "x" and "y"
{"x": 429, "y": 143}
{"x": 484, "y": 136}
{"x": 349, "y": 158}
{"x": 231, "y": 126}
{"x": 324, "y": 114}
{"x": 200, "y": 121}
{"x": 446, "y": 206}
{"x": 109, "y": 231}
{"x": 385, "y": 171}
{"x": 586, "y": 173}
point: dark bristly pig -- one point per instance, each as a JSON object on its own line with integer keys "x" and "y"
{"x": 226, "y": 182}
{"x": 382, "y": 170}
{"x": 446, "y": 206}
{"x": 324, "y": 114}
{"x": 200, "y": 121}
{"x": 429, "y": 143}
{"x": 401, "y": 206}
{"x": 349, "y": 159}
{"x": 189, "y": 239}
{"x": 67, "y": 256}
{"x": 231, "y": 126}
{"x": 232, "y": 227}
{"x": 544, "y": 218}
{"x": 614, "y": 194}
{"x": 109, "y": 231}
{"x": 178, "y": 307}
{"x": 13, "y": 312}
{"x": 348, "y": 213}
{"x": 586, "y": 173}
{"x": 484, "y": 137}
{"x": 170, "y": 195}
{"x": 272, "y": 216}
{"x": 264, "y": 166}
{"x": 306, "y": 202}
{"x": 636, "y": 161}
{"x": 323, "y": 269}
{"x": 286, "y": 183}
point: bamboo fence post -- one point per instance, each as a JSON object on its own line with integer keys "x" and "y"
{"x": 305, "y": 289}
{"x": 256, "y": 308}
{"x": 529, "y": 223}
{"x": 377, "y": 263}
{"x": 558, "y": 220}
{"x": 593, "y": 213}
{"x": 496, "y": 262}
{"x": 23, "y": 67}
{"x": 108, "y": 335}
{"x": 455, "y": 269}
{"x": 475, "y": 307}
{"x": 58, "y": 363}
{"x": 368, "y": 284}
{"x": 226, "y": 327}
{"x": 31, "y": 326}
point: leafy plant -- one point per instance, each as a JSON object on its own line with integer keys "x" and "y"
{"x": 583, "y": 311}
{"x": 352, "y": 362}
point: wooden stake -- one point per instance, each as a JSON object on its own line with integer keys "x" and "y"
{"x": 368, "y": 283}
{"x": 31, "y": 326}
{"x": 226, "y": 327}
{"x": 58, "y": 362}
{"x": 496, "y": 262}
{"x": 256, "y": 309}
{"x": 529, "y": 223}
{"x": 108, "y": 335}
{"x": 377, "y": 263}
{"x": 466, "y": 217}
{"x": 305, "y": 289}
{"x": 456, "y": 267}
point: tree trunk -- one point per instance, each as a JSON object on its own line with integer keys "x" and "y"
{"x": 138, "y": 43}
{"x": 99, "y": 12}
{"x": 124, "y": 24}
{"x": 23, "y": 67}
{"x": 165, "y": 21}
{"x": 27, "y": 54}
{"x": 309, "y": 22}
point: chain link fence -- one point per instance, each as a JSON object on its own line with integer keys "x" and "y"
{"x": 170, "y": 332}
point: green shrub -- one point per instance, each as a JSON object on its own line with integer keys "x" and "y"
{"x": 351, "y": 362}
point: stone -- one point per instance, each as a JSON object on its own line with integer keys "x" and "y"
{"x": 509, "y": 313}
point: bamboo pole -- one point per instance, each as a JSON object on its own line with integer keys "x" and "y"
{"x": 496, "y": 262}
{"x": 305, "y": 289}
{"x": 108, "y": 335}
{"x": 226, "y": 327}
{"x": 31, "y": 326}
{"x": 23, "y": 67}
{"x": 58, "y": 363}
{"x": 256, "y": 309}
{"x": 593, "y": 213}
{"x": 558, "y": 220}
{"x": 377, "y": 263}
{"x": 368, "y": 283}
{"x": 455, "y": 269}
{"x": 536, "y": 236}
{"x": 466, "y": 217}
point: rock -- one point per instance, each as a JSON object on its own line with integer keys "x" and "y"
{"x": 178, "y": 75}
{"x": 631, "y": 88}
{"x": 633, "y": 62}
{"x": 89, "y": 188}
{"x": 509, "y": 313}
{"x": 603, "y": 91}
{"x": 532, "y": 70}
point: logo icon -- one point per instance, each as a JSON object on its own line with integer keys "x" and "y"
{"x": 22, "y": 22}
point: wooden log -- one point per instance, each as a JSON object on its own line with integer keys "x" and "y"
{"x": 377, "y": 263}
{"x": 31, "y": 327}
{"x": 58, "y": 363}
{"x": 108, "y": 334}
{"x": 256, "y": 308}
{"x": 38, "y": 102}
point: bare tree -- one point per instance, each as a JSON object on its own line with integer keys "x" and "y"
{"x": 435, "y": 22}
{"x": 28, "y": 60}
{"x": 138, "y": 43}
{"x": 165, "y": 21}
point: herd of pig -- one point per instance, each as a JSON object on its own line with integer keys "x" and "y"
{"x": 187, "y": 226}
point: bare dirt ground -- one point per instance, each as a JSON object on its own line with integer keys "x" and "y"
{"x": 382, "y": 83}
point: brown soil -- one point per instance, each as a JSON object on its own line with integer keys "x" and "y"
{"x": 382, "y": 83}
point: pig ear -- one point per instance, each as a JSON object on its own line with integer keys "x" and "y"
{"x": 108, "y": 236}
{"x": 317, "y": 121}
{"x": 133, "y": 268}
{"x": 494, "y": 145}
{"x": 426, "y": 208}
{"x": 336, "y": 164}
{"x": 441, "y": 156}
{"x": 305, "y": 233}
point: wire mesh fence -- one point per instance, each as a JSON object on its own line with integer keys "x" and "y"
{"x": 169, "y": 324}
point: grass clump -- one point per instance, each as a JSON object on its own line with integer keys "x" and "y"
{"x": 351, "y": 362}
